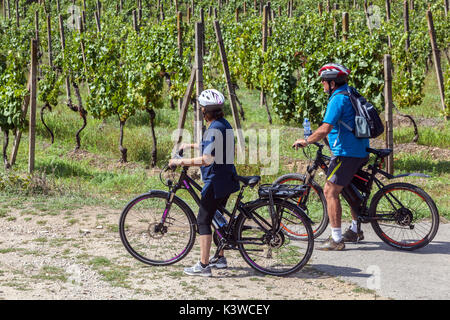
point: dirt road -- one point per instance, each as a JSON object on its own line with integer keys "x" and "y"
{"x": 77, "y": 254}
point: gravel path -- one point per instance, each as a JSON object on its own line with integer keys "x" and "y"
{"x": 77, "y": 254}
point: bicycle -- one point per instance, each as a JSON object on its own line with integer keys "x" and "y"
{"x": 158, "y": 228}
{"x": 402, "y": 215}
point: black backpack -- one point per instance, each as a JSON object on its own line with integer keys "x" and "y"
{"x": 367, "y": 121}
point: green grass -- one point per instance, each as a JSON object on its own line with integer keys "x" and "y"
{"x": 52, "y": 273}
{"x": 437, "y": 136}
{"x": 431, "y": 105}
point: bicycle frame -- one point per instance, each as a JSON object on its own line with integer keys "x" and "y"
{"x": 187, "y": 183}
{"x": 358, "y": 203}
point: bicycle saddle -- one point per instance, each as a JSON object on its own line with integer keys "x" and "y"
{"x": 380, "y": 152}
{"x": 249, "y": 181}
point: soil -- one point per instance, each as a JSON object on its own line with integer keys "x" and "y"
{"x": 77, "y": 254}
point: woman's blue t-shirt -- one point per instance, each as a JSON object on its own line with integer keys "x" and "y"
{"x": 218, "y": 141}
{"x": 342, "y": 141}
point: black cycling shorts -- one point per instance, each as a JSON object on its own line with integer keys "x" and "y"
{"x": 208, "y": 206}
{"x": 342, "y": 169}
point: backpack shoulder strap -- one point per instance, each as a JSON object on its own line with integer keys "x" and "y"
{"x": 348, "y": 94}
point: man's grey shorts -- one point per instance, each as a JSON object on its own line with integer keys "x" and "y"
{"x": 342, "y": 169}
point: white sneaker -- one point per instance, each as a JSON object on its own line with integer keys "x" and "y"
{"x": 198, "y": 270}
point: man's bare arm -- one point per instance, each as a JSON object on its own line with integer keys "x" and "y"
{"x": 318, "y": 135}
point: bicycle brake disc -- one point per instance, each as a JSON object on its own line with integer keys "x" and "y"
{"x": 404, "y": 217}
{"x": 156, "y": 230}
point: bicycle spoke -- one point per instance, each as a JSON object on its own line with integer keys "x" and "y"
{"x": 312, "y": 202}
{"x": 149, "y": 240}
{"x": 407, "y": 216}
{"x": 277, "y": 254}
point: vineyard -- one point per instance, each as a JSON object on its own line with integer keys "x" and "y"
{"x": 133, "y": 56}
{"x": 91, "y": 92}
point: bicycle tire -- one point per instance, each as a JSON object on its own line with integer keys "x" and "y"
{"x": 278, "y": 255}
{"x": 316, "y": 208}
{"x": 416, "y": 220}
{"x": 152, "y": 244}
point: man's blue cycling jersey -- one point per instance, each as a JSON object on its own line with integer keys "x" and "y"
{"x": 342, "y": 141}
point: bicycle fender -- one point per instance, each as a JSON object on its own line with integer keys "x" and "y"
{"x": 413, "y": 174}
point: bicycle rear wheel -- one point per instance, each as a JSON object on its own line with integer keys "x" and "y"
{"x": 407, "y": 217}
{"x": 316, "y": 205}
{"x": 154, "y": 234}
{"x": 280, "y": 254}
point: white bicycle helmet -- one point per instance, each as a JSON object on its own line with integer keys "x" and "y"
{"x": 211, "y": 99}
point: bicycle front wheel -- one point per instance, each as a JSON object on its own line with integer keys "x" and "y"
{"x": 406, "y": 217}
{"x": 278, "y": 254}
{"x": 315, "y": 206}
{"x": 155, "y": 233}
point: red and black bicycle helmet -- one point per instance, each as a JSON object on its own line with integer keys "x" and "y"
{"x": 334, "y": 72}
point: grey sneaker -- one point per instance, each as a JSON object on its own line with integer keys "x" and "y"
{"x": 219, "y": 263}
{"x": 351, "y": 236}
{"x": 331, "y": 245}
{"x": 198, "y": 270}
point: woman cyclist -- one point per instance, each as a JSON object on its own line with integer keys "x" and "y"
{"x": 218, "y": 171}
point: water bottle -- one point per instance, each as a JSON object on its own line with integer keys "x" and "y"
{"x": 306, "y": 128}
{"x": 219, "y": 220}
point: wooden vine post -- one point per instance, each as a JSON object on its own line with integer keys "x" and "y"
{"x": 366, "y": 12}
{"x": 17, "y": 14}
{"x": 97, "y": 21}
{"x": 437, "y": 63}
{"x": 263, "y": 100}
{"x": 388, "y": 18}
{"x": 8, "y": 9}
{"x": 49, "y": 41}
{"x": 33, "y": 96}
{"x": 406, "y": 27}
{"x": 230, "y": 87}
{"x": 161, "y": 13}
{"x": 185, "y": 106}
{"x": 345, "y": 26}
{"x": 83, "y": 50}
{"x": 179, "y": 43}
{"x": 198, "y": 116}
{"x": 388, "y": 111}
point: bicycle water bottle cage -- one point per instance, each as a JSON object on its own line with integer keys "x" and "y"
{"x": 281, "y": 190}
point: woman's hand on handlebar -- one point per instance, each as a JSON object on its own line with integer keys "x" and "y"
{"x": 174, "y": 163}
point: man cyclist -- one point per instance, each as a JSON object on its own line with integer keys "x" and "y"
{"x": 349, "y": 152}
{"x": 218, "y": 172}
